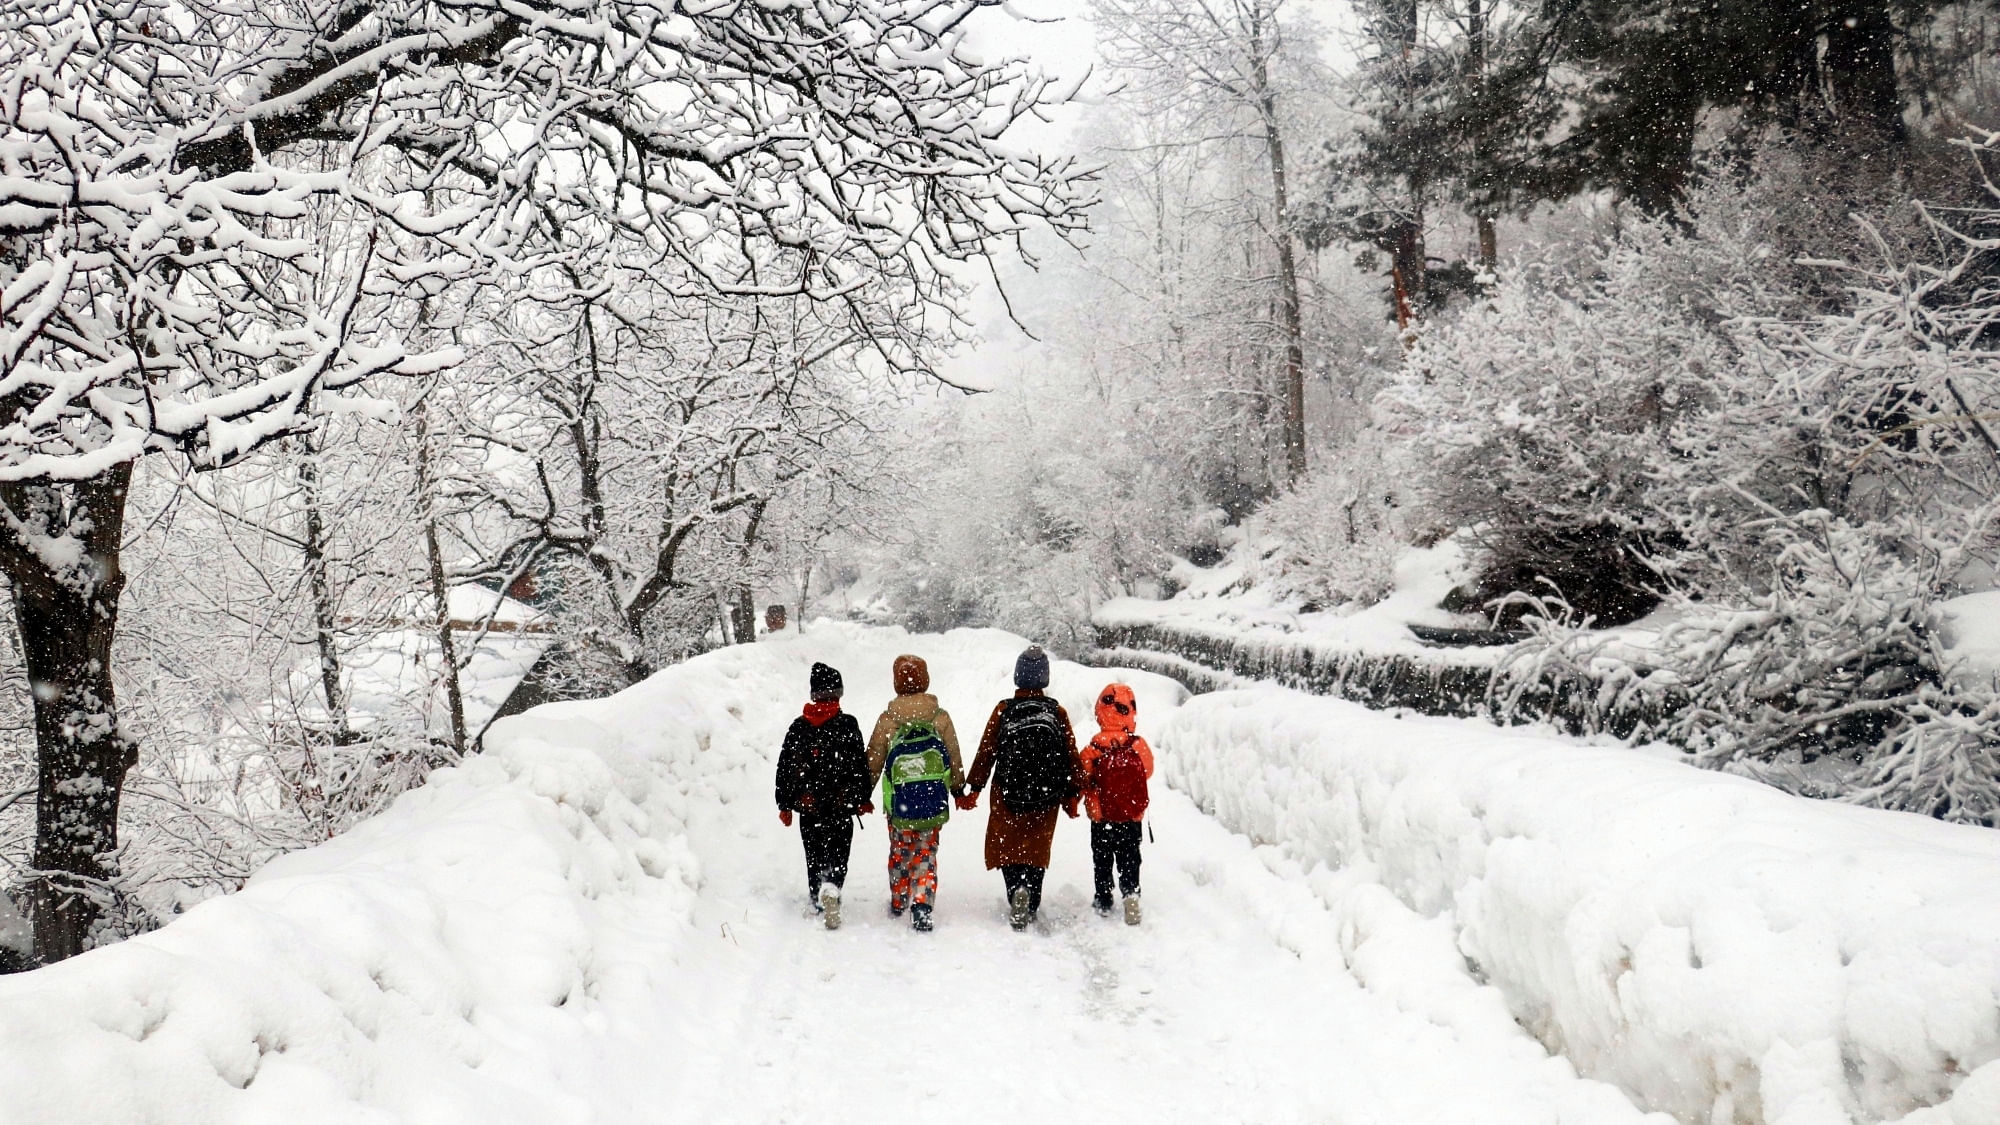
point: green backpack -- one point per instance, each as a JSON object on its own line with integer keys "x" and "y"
{"x": 914, "y": 773}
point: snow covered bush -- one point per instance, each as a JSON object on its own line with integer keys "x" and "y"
{"x": 1338, "y": 533}
{"x": 1541, "y": 416}
{"x": 1802, "y": 486}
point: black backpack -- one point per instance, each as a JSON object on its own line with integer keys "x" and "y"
{"x": 1034, "y": 756}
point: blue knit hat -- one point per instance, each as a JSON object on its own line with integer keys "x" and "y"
{"x": 1031, "y": 670}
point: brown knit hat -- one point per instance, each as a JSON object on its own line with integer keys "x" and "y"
{"x": 913, "y": 676}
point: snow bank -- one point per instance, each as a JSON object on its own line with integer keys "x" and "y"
{"x": 1224, "y": 604}
{"x": 1721, "y": 950}
{"x": 513, "y": 942}
{"x": 484, "y": 951}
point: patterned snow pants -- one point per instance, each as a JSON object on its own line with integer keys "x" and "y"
{"x": 912, "y": 867}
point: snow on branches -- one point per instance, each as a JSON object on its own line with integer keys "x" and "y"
{"x": 1800, "y": 486}
{"x": 220, "y": 218}
{"x": 153, "y": 159}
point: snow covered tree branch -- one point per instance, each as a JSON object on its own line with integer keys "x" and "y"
{"x": 168, "y": 283}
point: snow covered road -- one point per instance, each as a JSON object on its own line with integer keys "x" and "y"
{"x": 600, "y": 920}
{"x": 1229, "y": 1004}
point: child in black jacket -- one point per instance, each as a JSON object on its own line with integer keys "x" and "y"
{"x": 823, "y": 777}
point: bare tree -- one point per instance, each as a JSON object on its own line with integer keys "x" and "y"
{"x": 1216, "y": 61}
{"x": 655, "y": 436}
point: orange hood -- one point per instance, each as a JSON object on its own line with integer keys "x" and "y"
{"x": 1110, "y": 719}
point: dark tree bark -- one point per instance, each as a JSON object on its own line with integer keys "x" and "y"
{"x": 1860, "y": 65}
{"x": 59, "y": 547}
{"x": 1475, "y": 51}
{"x": 1290, "y": 315}
{"x": 744, "y": 612}
{"x": 1406, "y": 233}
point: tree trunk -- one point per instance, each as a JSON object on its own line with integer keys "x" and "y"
{"x": 1860, "y": 63}
{"x": 66, "y": 579}
{"x": 1406, "y": 256}
{"x": 1406, "y": 234}
{"x": 745, "y": 611}
{"x": 1482, "y": 212}
{"x": 326, "y": 612}
{"x": 1289, "y": 310}
{"x": 440, "y": 587}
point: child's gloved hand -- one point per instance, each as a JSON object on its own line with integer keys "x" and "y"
{"x": 966, "y": 802}
{"x": 866, "y": 808}
{"x": 785, "y": 817}
{"x": 1069, "y": 807}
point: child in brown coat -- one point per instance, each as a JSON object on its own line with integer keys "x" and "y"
{"x": 1029, "y": 752}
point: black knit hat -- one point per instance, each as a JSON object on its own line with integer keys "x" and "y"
{"x": 825, "y": 683}
{"x": 1032, "y": 669}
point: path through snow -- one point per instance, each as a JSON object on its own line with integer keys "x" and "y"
{"x": 1230, "y": 1003}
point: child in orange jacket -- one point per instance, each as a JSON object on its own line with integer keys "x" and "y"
{"x": 1116, "y": 764}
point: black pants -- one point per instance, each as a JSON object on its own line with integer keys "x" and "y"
{"x": 1022, "y": 875}
{"x": 828, "y": 839}
{"x": 1114, "y": 843}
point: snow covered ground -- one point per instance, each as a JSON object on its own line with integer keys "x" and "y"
{"x": 601, "y": 920}
{"x": 1226, "y": 603}
{"x": 1724, "y": 951}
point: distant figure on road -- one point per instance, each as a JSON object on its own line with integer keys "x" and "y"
{"x": 823, "y": 777}
{"x": 914, "y": 750}
{"x": 1029, "y": 752}
{"x": 1116, "y": 766}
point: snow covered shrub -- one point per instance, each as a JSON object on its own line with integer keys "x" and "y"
{"x": 1802, "y": 480}
{"x": 1337, "y": 534}
{"x": 1845, "y": 478}
{"x": 1543, "y": 416}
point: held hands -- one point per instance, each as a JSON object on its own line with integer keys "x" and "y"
{"x": 785, "y": 817}
{"x": 866, "y": 808}
{"x": 966, "y": 802}
{"x": 1069, "y": 807}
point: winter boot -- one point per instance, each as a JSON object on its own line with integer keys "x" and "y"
{"x": 1018, "y": 915}
{"x": 829, "y": 905}
{"x": 1132, "y": 910}
{"x": 1102, "y": 906}
{"x": 920, "y": 918}
{"x": 895, "y": 911}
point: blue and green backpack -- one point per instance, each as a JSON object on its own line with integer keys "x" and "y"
{"x": 914, "y": 777}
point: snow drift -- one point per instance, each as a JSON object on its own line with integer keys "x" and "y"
{"x": 1723, "y": 951}
{"x": 484, "y": 951}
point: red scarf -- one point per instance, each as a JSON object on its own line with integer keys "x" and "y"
{"x": 818, "y": 713}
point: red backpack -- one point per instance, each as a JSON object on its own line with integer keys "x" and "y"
{"x": 1119, "y": 777}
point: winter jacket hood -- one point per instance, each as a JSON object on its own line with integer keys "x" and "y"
{"x": 1117, "y": 720}
{"x": 913, "y": 676}
{"x": 1117, "y": 711}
